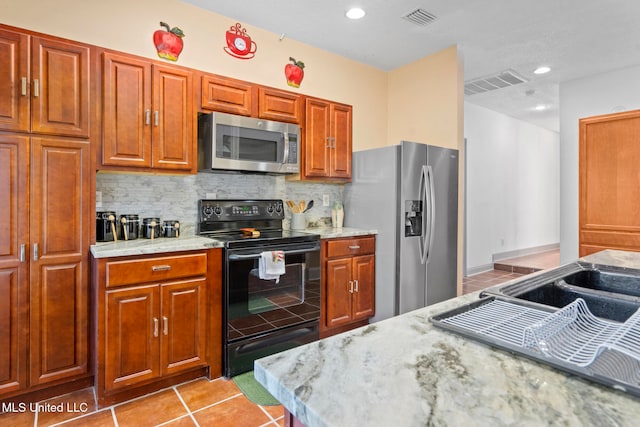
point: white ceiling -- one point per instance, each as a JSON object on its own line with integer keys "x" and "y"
{"x": 576, "y": 38}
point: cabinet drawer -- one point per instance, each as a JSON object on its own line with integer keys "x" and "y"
{"x": 348, "y": 247}
{"x": 155, "y": 269}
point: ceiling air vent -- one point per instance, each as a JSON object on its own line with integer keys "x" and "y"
{"x": 493, "y": 82}
{"x": 420, "y": 17}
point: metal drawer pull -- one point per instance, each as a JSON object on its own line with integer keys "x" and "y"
{"x": 147, "y": 117}
{"x": 161, "y": 268}
{"x": 155, "y": 327}
{"x": 156, "y": 117}
{"x": 354, "y": 247}
{"x": 356, "y": 290}
{"x": 22, "y": 254}
{"x": 24, "y": 86}
{"x": 350, "y": 286}
{"x": 36, "y": 253}
{"x": 36, "y": 88}
{"x": 165, "y": 322}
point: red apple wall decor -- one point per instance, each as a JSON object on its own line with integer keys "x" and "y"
{"x": 168, "y": 42}
{"x": 294, "y": 72}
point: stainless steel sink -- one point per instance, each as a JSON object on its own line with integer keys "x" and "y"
{"x": 608, "y": 293}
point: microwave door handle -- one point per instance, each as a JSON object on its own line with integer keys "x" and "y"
{"x": 285, "y": 155}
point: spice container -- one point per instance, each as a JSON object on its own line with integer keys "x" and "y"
{"x": 171, "y": 228}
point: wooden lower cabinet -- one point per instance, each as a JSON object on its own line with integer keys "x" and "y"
{"x": 348, "y": 284}
{"x": 156, "y": 331}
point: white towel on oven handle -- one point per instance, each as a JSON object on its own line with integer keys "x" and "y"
{"x": 271, "y": 265}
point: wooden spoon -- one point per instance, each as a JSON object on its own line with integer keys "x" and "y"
{"x": 112, "y": 220}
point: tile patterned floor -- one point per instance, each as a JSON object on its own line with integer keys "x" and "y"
{"x": 196, "y": 403}
{"x": 209, "y": 403}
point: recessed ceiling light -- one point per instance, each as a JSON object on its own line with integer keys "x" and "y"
{"x": 542, "y": 70}
{"x": 355, "y": 13}
{"x": 540, "y": 107}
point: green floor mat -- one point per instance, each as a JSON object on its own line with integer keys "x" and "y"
{"x": 253, "y": 390}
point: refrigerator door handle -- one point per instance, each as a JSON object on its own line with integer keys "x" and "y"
{"x": 432, "y": 212}
{"x": 423, "y": 201}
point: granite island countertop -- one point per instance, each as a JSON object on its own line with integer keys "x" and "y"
{"x": 404, "y": 371}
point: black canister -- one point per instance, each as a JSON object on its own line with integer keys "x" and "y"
{"x": 151, "y": 228}
{"x": 106, "y": 226}
{"x": 171, "y": 228}
{"x": 129, "y": 227}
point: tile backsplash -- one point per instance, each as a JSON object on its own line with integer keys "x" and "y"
{"x": 175, "y": 197}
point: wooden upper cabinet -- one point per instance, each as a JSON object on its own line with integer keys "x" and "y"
{"x": 52, "y": 96}
{"x": 279, "y": 105}
{"x": 327, "y": 140}
{"x": 609, "y": 182}
{"x": 228, "y": 95}
{"x": 148, "y": 115}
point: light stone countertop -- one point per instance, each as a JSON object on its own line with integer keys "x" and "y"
{"x": 405, "y": 372}
{"x": 192, "y": 243}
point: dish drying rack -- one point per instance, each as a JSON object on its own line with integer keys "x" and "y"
{"x": 572, "y": 338}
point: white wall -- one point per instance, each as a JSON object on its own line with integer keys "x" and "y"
{"x": 512, "y": 185}
{"x": 591, "y": 96}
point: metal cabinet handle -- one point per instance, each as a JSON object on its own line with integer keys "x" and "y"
{"x": 24, "y": 86}
{"x": 155, "y": 327}
{"x": 354, "y": 247}
{"x": 147, "y": 117}
{"x": 22, "y": 252}
{"x": 161, "y": 268}
{"x": 36, "y": 88}
{"x": 36, "y": 253}
{"x": 156, "y": 118}
{"x": 356, "y": 288}
{"x": 350, "y": 286}
{"x": 165, "y": 322}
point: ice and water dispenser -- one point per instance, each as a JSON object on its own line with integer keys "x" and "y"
{"x": 412, "y": 218}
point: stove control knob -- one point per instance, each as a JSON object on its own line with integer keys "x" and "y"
{"x": 270, "y": 209}
{"x": 207, "y": 211}
{"x": 217, "y": 210}
{"x": 278, "y": 208}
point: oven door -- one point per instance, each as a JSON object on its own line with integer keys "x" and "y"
{"x": 264, "y": 317}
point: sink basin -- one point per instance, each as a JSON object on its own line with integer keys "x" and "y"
{"x": 611, "y": 295}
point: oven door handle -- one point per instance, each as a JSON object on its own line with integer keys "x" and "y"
{"x": 234, "y": 257}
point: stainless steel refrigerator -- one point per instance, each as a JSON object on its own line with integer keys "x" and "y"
{"x": 409, "y": 193}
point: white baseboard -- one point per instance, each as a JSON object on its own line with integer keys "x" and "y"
{"x": 478, "y": 269}
{"x": 523, "y": 252}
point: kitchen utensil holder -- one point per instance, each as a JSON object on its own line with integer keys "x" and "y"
{"x": 298, "y": 221}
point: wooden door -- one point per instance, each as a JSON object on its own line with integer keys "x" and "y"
{"x": 60, "y": 88}
{"x": 341, "y": 145}
{"x": 127, "y": 111}
{"x": 228, "y": 95}
{"x": 338, "y": 295}
{"x": 173, "y": 135}
{"x": 60, "y": 224}
{"x": 14, "y": 278}
{"x": 132, "y": 336}
{"x": 316, "y": 138}
{"x": 610, "y": 182}
{"x": 364, "y": 297}
{"x": 183, "y": 325}
{"x": 274, "y": 104}
{"x": 14, "y": 81}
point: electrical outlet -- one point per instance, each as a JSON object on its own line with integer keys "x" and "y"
{"x": 212, "y": 196}
{"x": 325, "y": 200}
{"x": 98, "y": 199}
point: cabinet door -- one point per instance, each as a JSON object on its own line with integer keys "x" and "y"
{"x": 341, "y": 145}
{"x": 228, "y": 95}
{"x": 279, "y": 105}
{"x": 172, "y": 136}
{"x": 132, "y": 336}
{"x": 364, "y": 297}
{"x": 60, "y": 88}
{"x": 339, "y": 293}
{"x": 60, "y": 230}
{"x": 14, "y": 81}
{"x": 127, "y": 111}
{"x": 183, "y": 325}
{"x": 316, "y": 142}
{"x": 14, "y": 320}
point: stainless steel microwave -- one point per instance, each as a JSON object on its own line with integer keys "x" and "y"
{"x": 237, "y": 143}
